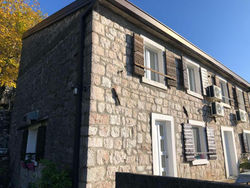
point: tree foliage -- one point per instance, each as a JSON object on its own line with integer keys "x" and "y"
{"x": 16, "y": 17}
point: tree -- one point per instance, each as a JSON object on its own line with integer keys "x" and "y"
{"x": 16, "y": 17}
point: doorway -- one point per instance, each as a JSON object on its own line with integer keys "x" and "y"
{"x": 230, "y": 155}
{"x": 163, "y": 142}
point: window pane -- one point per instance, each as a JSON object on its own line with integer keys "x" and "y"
{"x": 161, "y": 130}
{"x": 163, "y": 161}
{"x": 241, "y": 100}
{"x": 224, "y": 92}
{"x": 164, "y": 173}
{"x": 162, "y": 145}
{"x": 248, "y": 140}
{"x": 191, "y": 76}
{"x": 154, "y": 65}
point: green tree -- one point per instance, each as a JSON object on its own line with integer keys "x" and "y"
{"x": 16, "y": 17}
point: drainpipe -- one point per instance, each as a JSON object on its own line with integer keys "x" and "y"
{"x": 77, "y": 134}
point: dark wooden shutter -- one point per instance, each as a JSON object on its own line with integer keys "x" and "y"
{"x": 24, "y": 144}
{"x": 231, "y": 93}
{"x": 40, "y": 142}
{"x": 138, "y": 55}
{"x": 188, "y": 137}
{"x": 246, "y": 149}
{"x": 211, "y": 143}
{"x": 246, "y": 99}
{"x": 185, "y": 74}
{"x": 171, "y": 68}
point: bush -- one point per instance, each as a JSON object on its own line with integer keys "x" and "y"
{"x": 52, "y": 177}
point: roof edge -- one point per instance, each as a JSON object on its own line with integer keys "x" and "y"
{"x": 130, "y": 7}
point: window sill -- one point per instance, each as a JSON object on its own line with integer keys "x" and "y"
{"x": 200, "y": 162}
{"x": 226, "y": 105}
{"x": 154, "y": 83}
{"x": 197, "y": 95}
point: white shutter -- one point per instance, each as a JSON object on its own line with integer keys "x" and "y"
{"x": 204, "y": 78}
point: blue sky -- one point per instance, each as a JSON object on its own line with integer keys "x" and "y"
{"x": 221, "y": 28}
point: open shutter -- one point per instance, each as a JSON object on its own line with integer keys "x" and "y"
{"x": 185, "y": 74}
{"x": 204, "y": 78}
{"x": 188, "y": 142}
{"x": 40, "y": 142}
{"x": 138, "y": 55}
{"x": 231, "y": 93}
{"x": 171, "y": 68}
{"x": 24, "y": 144}
{"x": 211, "y": 143}
{"x": 246, "y": 99}
{"x": 246, "y": 149}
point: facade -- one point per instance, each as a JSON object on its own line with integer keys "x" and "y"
{"x": 104, "y": 88}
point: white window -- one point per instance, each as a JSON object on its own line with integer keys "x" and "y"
{"x": 200, "y": 143}
{"x": 224, "y": 91}
{"x": 240, "y": 99}
{"x": 31, "y": 142}
{"x": 194, "y": 78}
{"x": 153, "y": 59}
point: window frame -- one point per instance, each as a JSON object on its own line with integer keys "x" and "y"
{"x": 244, "y": 107}
{"x": 190, "y": 63}
{"x": 203, "y": 142}
{"x": 227, "y": 105}
{"x": 159, "y": 49}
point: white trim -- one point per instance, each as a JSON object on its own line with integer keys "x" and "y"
{"x": 222, "y": 79}
{"x": 191, "y": 62}
{"x": 194, "y": 94}
{"x": 246, "y": 131}
{"x": 200, "y": 162}
{"x": 223, "y": 128}
{"x": 161, "y": 117}
{"x": 153, "y": 83}
{"x": 197, "y": 123}
{"x": 225, "y": 105}
{"x": 152, "y": 43}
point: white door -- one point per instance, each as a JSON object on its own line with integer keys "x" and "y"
{"x": 163, "y": 140}
{"x": 162, "y": 148}
{"x": 230, "y": 155}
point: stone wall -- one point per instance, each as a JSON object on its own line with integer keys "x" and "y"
{"x": 119, "y": 136}
{"x": 48, "y": 74}
{"x": 126, "y": 180}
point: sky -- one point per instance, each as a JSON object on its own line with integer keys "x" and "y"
{"x": 221, "y": 28}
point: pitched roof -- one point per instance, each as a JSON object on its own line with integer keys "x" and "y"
{"x": 145, "y": 18}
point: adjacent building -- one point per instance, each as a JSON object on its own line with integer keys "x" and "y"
{"x": 103, "y": 87}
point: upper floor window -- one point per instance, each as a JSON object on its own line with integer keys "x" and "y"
{"x": 240, "y": 99}
{"x": 194, "y": 79}
{"x": 153, "y": 59}
{"x": 224, "y": 91}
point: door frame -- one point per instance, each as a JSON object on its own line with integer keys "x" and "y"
{"x": 160, "y": 117}
{"x": 223, "y": 128}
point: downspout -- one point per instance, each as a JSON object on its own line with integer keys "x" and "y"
{"x": 77, "y": 134}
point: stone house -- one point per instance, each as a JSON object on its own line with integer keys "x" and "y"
{"x": 103, "y": 87}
